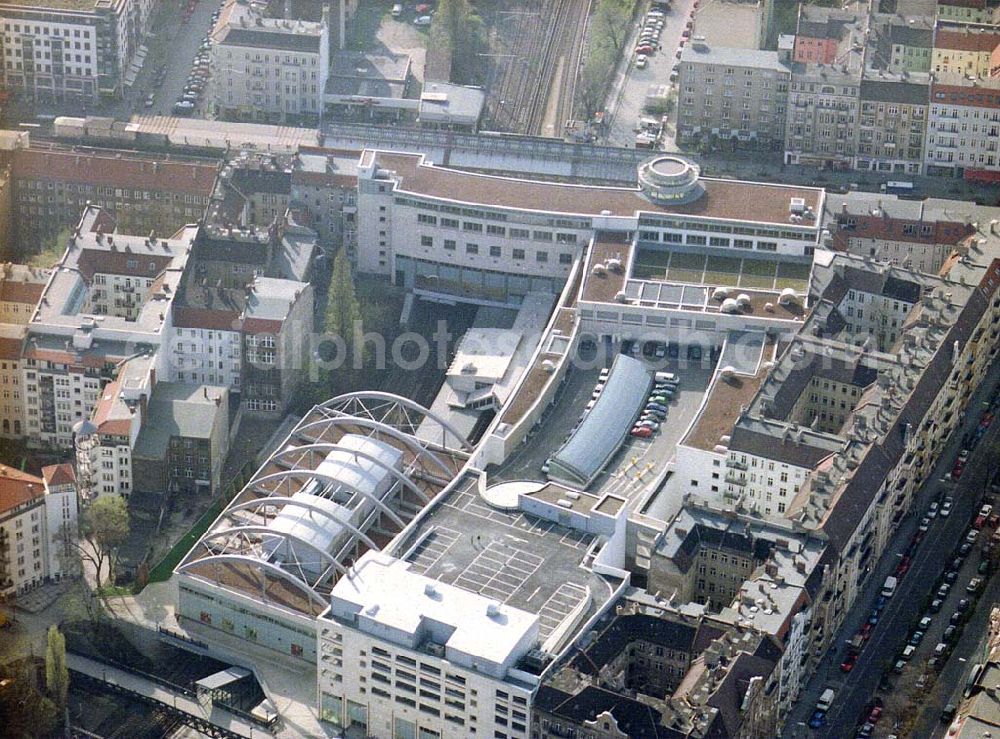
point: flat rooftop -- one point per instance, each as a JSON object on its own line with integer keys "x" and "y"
{"x": 751, "y": 202}
{"x": 726, "y": 396}
{"x": 517, "y": 559}
{"x": 42, "y": 5}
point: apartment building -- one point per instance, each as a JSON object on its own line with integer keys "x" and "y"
{"x": 966, "y": 50}
{"x": 963, "y": 129}
{"x": 733, "y": 95}
{"x": 822, "y": 116}
{"x": 142, "y": 192}
{"x": 35, "y": 512}
{"x": 62, "y": 503}
{"x": 277, "y": 324}
{"x": 892, "y": 123}
{"x": 967, "y": 11}
{"x": 108, "y": 300}
{"x": 628, "y": 680}
{"x": 6, "y": 210}
{"x": 822, "y": 33}
{"x": 916, "y": 235}
{"x": 77, "y": 51}
{"x": 325, "y": 182}
{"x": 908, "y": 42}
{"x": 858, "y": 481}
{"x": 21, "y": 288}
{"x": 11, "y": 386}
{"x": 269, "y": 69}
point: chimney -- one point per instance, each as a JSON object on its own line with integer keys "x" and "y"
{"x": 204, "y": 390}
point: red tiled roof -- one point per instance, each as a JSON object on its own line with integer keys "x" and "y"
{"x": 10, "y": 348}
{"x": 967, "y": 95}
{"x": 113, "y": 426}
{"x": 216, "y": 320}
{"x": 93, "y": 261}
{"x": 59, "y": 474}
{"x": 115, "y": 171}
{"x": 323, "y": 178}
{"x": 17, "y": 488}
{"x": 966, "y": 40}
{"x": 15, "y": 291}
{"x": 261, "y": 326}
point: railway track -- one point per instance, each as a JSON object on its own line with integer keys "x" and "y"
{"x": 536, "y": 53}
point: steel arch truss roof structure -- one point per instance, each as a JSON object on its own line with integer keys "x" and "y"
{"x": 405, "y": 414}
{"x": 243, "y": 537}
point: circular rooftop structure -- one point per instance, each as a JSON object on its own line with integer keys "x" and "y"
{"x": 670, "y": 180}
{"x": 505, "y": 496}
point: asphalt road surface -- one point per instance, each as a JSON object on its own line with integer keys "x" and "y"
{"x": 855, "y": 691}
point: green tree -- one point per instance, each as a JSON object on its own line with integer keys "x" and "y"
{"x": 56, "y": 671}
{"x": 458, "y": 29}
{"x": 606, "y": 39}
{"x": 26, "y": 712}
{"x": 343, "y": 311}
{"x": 103, "y": 528}
{"x": 52, "y": 251}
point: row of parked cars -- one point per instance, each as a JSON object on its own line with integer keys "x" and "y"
{"x": 194, "y": 87}
{"x": 655, "y": 412}
{"x": 649, "y": 37}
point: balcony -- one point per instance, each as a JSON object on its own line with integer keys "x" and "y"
{"x": 736, "y": 464}
{"x": 733, "y": 479}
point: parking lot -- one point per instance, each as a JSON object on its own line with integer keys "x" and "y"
{"x": 640, "y": 461}
{"x": 631, "y": 84}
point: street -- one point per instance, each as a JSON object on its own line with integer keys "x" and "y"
{"x": 630, "y": 85}
{"x": 855, "y": 691}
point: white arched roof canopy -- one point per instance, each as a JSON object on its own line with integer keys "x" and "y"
{"x": 359, "y": 398}
{"x": 331, "y": 447}
{"x": 377, "y": 426}
{"x": 313, "y": 475}
{"x": 278, "y": 500}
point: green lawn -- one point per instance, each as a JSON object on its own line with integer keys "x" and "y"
{"x": 793, "y": 270}
{"x": 685, "y": 275}
{"x": 759, "y": 267}
{"x": 757, "y": 281}
{"x": 724, "y": 264}
{"x": 799, "y": 285}
{"x": 653, "y": 257}
{"x": 165, "y": 567}
{"x": 688, "y": 261}
{"x": 721, "y": 278}
{"x": 647, "y": 272}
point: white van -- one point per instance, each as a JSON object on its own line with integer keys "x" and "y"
{"x": 889, "y": 587}
{"x": 397, "y": 10}
{"x": 825, "y": 700}
{"x": 666, "y": 377}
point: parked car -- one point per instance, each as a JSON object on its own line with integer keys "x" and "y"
{"x": 946, "y": 507}
{"x": 848, "y": 664}
{"x": 949, "y": 633}
{"x": 641, "y": 432}
{"x": 818, "y": 719}
{"x": 916, "y": 637}
{"x": 936, "y": 605}
{"x": 422, "y": 20}
{"x": 640, "y": 61}
{"x": 925, "y": 623}
{"x": 932, "y": 511}
{"x": 974, "y": 585}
